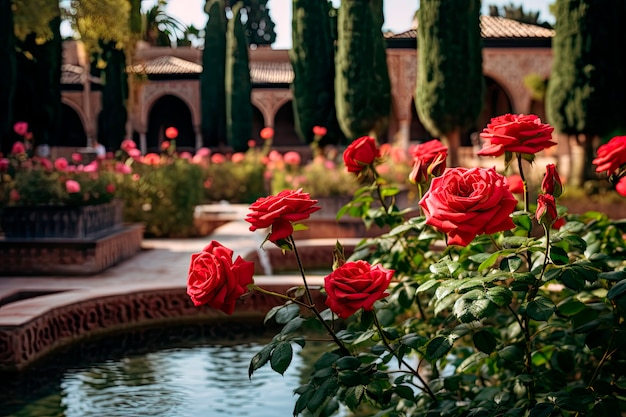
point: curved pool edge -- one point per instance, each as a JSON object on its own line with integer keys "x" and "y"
{"x": 69, "y": 317}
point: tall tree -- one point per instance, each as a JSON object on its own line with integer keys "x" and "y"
{"x": 8, "y": 72}
{"x": 212, "y": 79}
{"x": 585, "y": 97}
{"x": 259, "y": 24}
{"x": 362, "y": 86}
{"x": 238, "y": 85}
{"x": 450, "y": 84}
{"x": 312, "y": 57}
{"x": 161, "y": 29}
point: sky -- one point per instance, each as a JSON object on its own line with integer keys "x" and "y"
{"x": 398, "y": 14}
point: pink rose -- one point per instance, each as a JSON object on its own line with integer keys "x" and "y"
{"x": 61, "y": 164}
{"x": 4, "y": 164}
{"x": 611, "y": 155}
{"x": 127, "y": 145}
{"x": 292, "y": 158}
{"x": 151, "y": 159}
{"x": 356, "y": 285}
{"x": 360, "y": 154}
{"x": 110, "y": 188}
{"x": 216, "y": 280}
{"x": 76, "y": 157}
{"x": 20, "y": 128}
{"x": 18, "y": 148}
{"x": 319, "y": 131}
{"x": 279, "y": 211}
{"x": 122, "y": 168}
{"x": 518, "y": 133}
{"x": 266, "y": 133}
{"x": 203, "y": 152}
{"x": 218, "y": 158}
{"x": 238, "y": 157}
{"x": 72, "y": 186}
{"x": 464, "y": 203}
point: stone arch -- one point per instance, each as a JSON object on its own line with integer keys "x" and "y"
{"x": 269, "y": 102}
{"x": 496, "y": 101}
{"x": 72, "y": 125}
{"x": 185, "y": 91}
{"x": 166, "y": 111}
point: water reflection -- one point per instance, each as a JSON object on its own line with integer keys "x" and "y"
{"x": 180, "y": 372}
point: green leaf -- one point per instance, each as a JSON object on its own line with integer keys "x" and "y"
{"x": 512, "y": 263}
{"x": 488, "y": 263}
{"x": 324, "y": 391}
{"x": 501, "y": 296}
{"x": 542, "y": 410}
{"x": 613, "y": 275}
{"x": 260, "y": 359}
{"x": 354, "y": 395}
{"x": 292, "y": 326}
{"x": 414, "y": 341}
{"x": 558, "y": 255}
{"x": 571, "y": 279}
{"x": 540, "y": 309}
{"x": 523, "y": 221}
{"x": 326, "y": 361}
{"x": 472, "y": 306}
{"x": 438, "y": 347}
{"x": 404, "y": 392}
{"x": 617, "y": 290}
{"x": 570, "y": 307}
{"x": 427, "y": 286}
{"x": 348, "y": 362}
{"x": 287, "y": 313}
{"x": 484, "y": 341}
{"x": 511, "y": 353}
{"x": 281, "y": 357}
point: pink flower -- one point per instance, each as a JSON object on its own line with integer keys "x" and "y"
{"x": 20, "y": 128}
{"x": 267, "y": 133}
{"x": 18, "y": 148}
{"x": 127, "y": 145}
{"x": 218, "y": 158}
{"x": 4, "y": 164}
{"x": 76, "y": 157}
{"x": 134, "y": 153}
{"x": 275, "y": 156}
{"x": 151, "y": 159}
{"x": 238, "y": 157}
{"x": 186, "y": 155}
{"x": 135, "y": 177}
{"x": 203, "y": 152}
{"x": 319, "y": 131}
{"x": 292, "y": 158}
{"x": 61, "y": 164}
{"x": 122, "y": 168}
{"x": 165, "y": 145}
{"x": 45, "y": 163}
{"x": 91, "y": 167}
{"x": 110, "y": 188}
{"x": 251, "y": 143}
{"x": 72, "y": 186}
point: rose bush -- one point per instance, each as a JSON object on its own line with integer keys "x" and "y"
{"x": 510, "y": 317}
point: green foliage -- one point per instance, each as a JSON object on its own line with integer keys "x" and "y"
{"x": 312, "y": 58}
{"x": 238, "y": 85}
{"x": 236, "y": 180}
{"x": 450, "y": 83}
{"x": 518, "y": 323}
{"x": 362, "y": 86}
{"x": 586, "y": 84}
{"x": 101, "y": 21}
{"x": 163, "y": 196}
{"x": 212, "y": 87}
{"x": 259, "y": 28}
{"x": 34, "y": 17}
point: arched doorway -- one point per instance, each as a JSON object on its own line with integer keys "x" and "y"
{"x": 284, "y": 129}
{"x": 417, "y": 131}
{"x": 257, "y": 124}
{"x": 170, "y": 111}
{"x": 72, "y": 128}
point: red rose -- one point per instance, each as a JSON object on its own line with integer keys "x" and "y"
{"x": 216, "y": 280}
{"x": 620, "y": 187}
{"x": 20, "y": 128}
{"x": 356, "y": 285}
{"x": 278, "y": 211}
{"x": 17, "y": 148}
{"x": 429, "y": 158}
{"x": 465, "y": 203}
{"x": 518, "y": 133}
{"x": 551, "y": 183}
{"x": 611, "y": 155}
{"x": 266, "y": 133}
{"x": 546, "y": 209}
{"x": 360, "y": 154}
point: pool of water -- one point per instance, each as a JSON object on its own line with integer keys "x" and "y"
{"x": 174, "y": 372}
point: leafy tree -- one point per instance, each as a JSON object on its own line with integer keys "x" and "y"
{"x": 518, "y": 13}
{"x": 259, "y": 27}
{"x": 362, "y": 86}
{"x": 585, "y": 96}
{"x": 238, "y": 85}
{"x": 212, "y": 84}
{"x": 8, "y": 71}
{"x": 312, "y": 58}
{"x": 161, "y": 29}
{"x": 450, "y": 82}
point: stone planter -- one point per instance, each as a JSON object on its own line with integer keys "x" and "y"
{"x": 38, "y": 222}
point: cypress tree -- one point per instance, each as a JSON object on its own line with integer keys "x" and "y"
{"x": 450, "y": 84}
{"x": 238, "y": 86}
{"x": 112, "y": 118}
{"x": 312, "y": 58}
{"x": 259, "y": 27}
{"x": 8, "y": 72}
{"x": 585, "y": 96}
{"x": 212, "y": 88}
{"x": 362, "y": 88}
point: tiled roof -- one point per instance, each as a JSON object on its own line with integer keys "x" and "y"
{"x": 271, "y": 72}
{"x": 167, "y": 65}
{"x": 71, "y": 74}
{"x": 492, "y": 27}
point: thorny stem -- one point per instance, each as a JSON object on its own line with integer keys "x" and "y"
{"x": 413, "y": 371}
{"x": 312, "y": 307}
{"x": 526, "y": 192}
